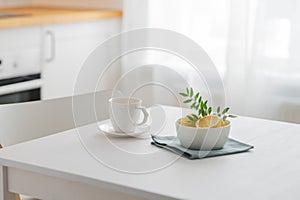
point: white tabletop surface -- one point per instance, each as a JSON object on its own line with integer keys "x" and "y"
{"x": 269, "y": 171}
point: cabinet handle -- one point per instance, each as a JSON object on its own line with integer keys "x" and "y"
{"x": 52, "y": 46}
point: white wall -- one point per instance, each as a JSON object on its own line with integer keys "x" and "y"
{"x": 107, "y": 4}
{"x": 4, "y": 3}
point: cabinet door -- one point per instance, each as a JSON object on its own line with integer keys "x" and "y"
{"x": 66, "y": 46}
{"x": 20, "y": 51}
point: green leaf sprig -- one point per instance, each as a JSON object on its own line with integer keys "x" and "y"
{"x": 197, "y": 103}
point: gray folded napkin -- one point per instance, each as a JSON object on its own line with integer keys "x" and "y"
{"x": 172, "y": 144}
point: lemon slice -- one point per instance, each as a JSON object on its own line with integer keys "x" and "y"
{"x": 187, "y": 122}
{"x": 210, "y": 121}
{"x": 225, "y": 123}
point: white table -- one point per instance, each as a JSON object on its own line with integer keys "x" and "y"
{"x": 60, "y": 167}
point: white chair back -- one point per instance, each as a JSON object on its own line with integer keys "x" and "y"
{"x": 26, "y": 121}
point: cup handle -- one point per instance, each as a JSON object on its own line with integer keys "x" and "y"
{"x": 146, "y": 115}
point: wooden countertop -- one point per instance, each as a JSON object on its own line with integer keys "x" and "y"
{"x": 52, "y": 15}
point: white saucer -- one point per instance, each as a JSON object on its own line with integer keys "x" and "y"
{"x": 140, "y": 131}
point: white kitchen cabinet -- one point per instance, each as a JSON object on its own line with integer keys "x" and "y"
{"x": 20, "y": 51}
{"x": 65, "y": 48}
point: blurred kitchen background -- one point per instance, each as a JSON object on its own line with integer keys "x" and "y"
{"x": 255, "y": 45}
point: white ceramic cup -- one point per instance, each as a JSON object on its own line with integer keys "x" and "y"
{"x": 125, "y": 114}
